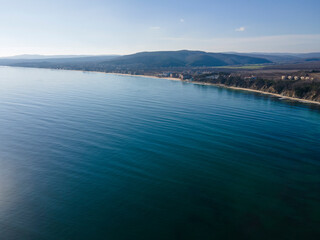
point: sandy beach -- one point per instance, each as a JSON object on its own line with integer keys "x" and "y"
{"x": 147, "y": 76}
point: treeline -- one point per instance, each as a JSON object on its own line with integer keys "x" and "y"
{"x": 308, "y": 90}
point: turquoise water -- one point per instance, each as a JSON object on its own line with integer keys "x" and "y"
{"x": 98, "y": 156}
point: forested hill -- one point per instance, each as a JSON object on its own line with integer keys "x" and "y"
{"x": 184, "y": 59}
{"x": 142, "y": 60}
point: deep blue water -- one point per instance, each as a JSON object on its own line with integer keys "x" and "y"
{"x": 98, "y": 156}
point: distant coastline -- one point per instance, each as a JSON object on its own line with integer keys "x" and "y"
{"x": 193, "y": 82}
{"x": 296, "y": 78}
{"x": 216, "y": 85}
{"x": 225, "y": 86}
{"x": 146, "y": 76}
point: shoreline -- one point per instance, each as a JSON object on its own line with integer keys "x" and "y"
{"x": 193, "y": 82}
{"x": 146, "y": 76}
{"x": 258, "y": 91}
{"x": 225, "y": 86}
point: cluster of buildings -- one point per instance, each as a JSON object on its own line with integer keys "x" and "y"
{"x": 213, "y": 77}
{"x": 252, "y": 77}
{"x": 163, "y": 75}
{"x": 182, "y": 76}
{"x": 185, "y": 76}
{"x": 297, "y": 78}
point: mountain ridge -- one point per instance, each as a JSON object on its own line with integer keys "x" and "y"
{"x": 154, "y": 59}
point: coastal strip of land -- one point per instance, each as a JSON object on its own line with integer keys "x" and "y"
{"x": 146, "y": 76}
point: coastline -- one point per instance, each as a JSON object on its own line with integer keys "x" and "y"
{"x": 146, "y": 76}
{"x": 225, "y": 86}
{"x": 198, "y": 83}
{"x": 258, "y": 91}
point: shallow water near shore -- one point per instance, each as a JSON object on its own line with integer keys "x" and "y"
{"x": 99, "y": 156}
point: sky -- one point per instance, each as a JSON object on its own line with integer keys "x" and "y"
{"x": 99, "y": 27}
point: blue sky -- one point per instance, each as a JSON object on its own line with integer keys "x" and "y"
{"x": 124, "y": 26}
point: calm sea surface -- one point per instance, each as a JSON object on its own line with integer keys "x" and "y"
{"x": 98, "y": 156}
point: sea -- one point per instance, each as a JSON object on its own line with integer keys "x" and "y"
{"x": 87, "y": 155}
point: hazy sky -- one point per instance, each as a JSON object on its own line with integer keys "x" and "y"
{"x": 124, "y": 26}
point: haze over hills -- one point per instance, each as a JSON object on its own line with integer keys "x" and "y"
{"x": 38, "y": 56}
{"x": 57, "y": 59}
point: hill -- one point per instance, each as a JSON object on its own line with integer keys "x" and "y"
{"x": 143, "y": 60}
{"x": 184, "y": 58}
{"x": 284, "y": 57}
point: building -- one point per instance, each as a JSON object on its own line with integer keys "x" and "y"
{"x": 185, "y": 76}
{"x": 174, "y": 75}
{"x": 164, "y": 75}
{"x": 250, "y": 78}
{"x": 213, "y": 77}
